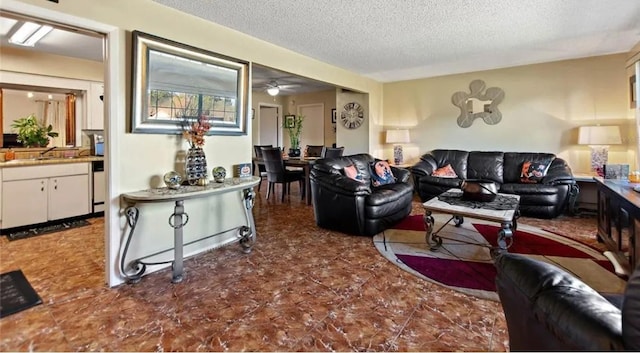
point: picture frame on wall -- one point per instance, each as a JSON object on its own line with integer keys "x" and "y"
{"x": 333, "y": 116}
{"x": 289, "y": 121}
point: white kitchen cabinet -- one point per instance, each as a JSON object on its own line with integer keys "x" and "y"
{"x": 95, "y": 106}
{"x": 37, "y": 194}
{"x": 24, "y": 202}
{"x": 64, "y": 201}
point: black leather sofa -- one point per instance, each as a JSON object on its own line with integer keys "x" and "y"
{"x": 546, "y": 199}
{"x": 354, "y": 207}
{"x": 548, "y": 309}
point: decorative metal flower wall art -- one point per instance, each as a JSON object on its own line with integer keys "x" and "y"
{"x": 476, "y": 104}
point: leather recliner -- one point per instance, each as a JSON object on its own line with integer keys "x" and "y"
{"x": 548, "y": 309}
{"x": 545, "y": 199}
{"x": 354, "y": 207}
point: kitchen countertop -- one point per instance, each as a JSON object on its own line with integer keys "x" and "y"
{"x": 55, "y": 160}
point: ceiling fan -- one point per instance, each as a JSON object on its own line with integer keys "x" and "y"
{"x": 273, "y": 88}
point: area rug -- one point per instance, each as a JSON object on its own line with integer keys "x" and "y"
{"x": 32, "y": 232}
{"x": 463, "y": 262}
{"x": 16, "y": 294}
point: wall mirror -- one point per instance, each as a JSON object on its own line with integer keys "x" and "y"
{"x": 175, "y": 84}
{"x": 477, "y": 104}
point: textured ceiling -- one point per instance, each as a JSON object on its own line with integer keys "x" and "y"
{"x": 400, "y": 40}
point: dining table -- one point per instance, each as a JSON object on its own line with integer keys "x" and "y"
{"x": 306, "y": 163}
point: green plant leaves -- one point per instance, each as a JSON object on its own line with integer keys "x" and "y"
{"x": 31, "y": 133}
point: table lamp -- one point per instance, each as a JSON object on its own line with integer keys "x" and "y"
{"x": 599, "y": 138}
{"x": 397, "y": 137}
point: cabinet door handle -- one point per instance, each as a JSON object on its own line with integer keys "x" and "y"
{"x": 42, "y": 188}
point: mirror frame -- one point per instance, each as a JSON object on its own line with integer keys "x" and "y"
{"x": 143, "y": 43}
{"x": 491, "y": 115}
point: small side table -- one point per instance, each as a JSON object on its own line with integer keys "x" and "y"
{"x": 587, "y": 200}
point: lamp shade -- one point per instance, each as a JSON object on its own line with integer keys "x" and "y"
{"x": 397, "y": 136}
{"x": 599, "y": 135}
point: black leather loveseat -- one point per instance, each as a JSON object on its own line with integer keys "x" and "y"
{"x": 357, "y": 207}
{"x": 546, "y": 197}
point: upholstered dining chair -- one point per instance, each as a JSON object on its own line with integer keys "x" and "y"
{"x": 278, "y": 174}
{"x": 332, "y": 152}
{"x": 259, "y": 166}
{"x": 314, "y": 150}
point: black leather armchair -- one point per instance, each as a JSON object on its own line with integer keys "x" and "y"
{"x": 548, "y": 309}
{"x": 354, "y": 207}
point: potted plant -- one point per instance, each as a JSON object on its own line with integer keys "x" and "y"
{"x": 31, "y": 133}
{"x": 293, "y": 125}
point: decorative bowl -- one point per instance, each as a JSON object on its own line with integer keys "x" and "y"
{"x": 173, "y": 179}
{"x": 479, "y": 190}
{"x": 219, "y": 173}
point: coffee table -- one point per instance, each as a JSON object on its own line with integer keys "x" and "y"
{"x": 504, "y": 210}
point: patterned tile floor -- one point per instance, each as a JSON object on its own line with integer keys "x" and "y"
{"x": 301, "y": 289}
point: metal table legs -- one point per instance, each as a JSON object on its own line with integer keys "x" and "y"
{"x": 433, "y": 239}
{"x": 177, "y": 220}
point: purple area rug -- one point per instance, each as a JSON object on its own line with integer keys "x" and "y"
{"x": 463, "y": 262}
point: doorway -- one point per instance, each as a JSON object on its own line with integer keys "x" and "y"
{"x": 313, "y": 124}
{"x": 270, "y": 127}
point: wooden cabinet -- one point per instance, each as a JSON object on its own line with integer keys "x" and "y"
{"x": 37, "y": 194}
{"x": 95, "y": 106}
{"x": 64, "y": 198}
{"x": 24, "y": 202}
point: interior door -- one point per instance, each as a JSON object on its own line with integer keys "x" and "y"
{"x": 313, "y": 124}
{"x": 269, "y": 126}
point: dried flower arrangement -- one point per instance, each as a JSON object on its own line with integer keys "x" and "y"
{"x": 195, "y": 133}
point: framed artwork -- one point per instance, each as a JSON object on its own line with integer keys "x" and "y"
{"x": 289, "y": 121}
{"x": 333, "y": 115}
{"x": 632, "y": 90}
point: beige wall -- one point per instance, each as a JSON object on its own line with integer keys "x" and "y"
{"x": 138, "y": 161}
{"x": 543, "y": 106}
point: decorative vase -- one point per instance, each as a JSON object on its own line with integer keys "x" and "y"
{"x": 294, "y": 152}
{"x": 196, "y": 165}
{"x": 219, "y": 173}
{"x": 172, "y": 179}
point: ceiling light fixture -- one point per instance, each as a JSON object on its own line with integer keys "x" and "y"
{"x": 273, "y": 89}
{"x": 29, "y": 33}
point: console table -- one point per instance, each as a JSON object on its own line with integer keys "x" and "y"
{"x": 619, "y": 208}
{"x": 179, "y": 219}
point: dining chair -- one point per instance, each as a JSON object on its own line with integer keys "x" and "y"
{"x": 259, "y": 166}
{"x": 278, "y": 174}
{"x": 332, "y": 152}
{"x": 314, "y": 150}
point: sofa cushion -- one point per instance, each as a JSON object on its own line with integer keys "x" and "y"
{"x": 445, "y": 172}
{"x": 381, "y": 173}
{"x": 485, "y": 166}
{"x": 533, "y": 172}
{"x": 352, "y": 172}
{"x": 513, "y": 163}
{"x": 457, "y": 159}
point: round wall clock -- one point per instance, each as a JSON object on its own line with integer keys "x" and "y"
{"x": 352, "y": 116}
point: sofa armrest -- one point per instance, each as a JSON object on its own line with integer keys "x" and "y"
{"x": 559, "y": 172}
{"x": 425, "y": 166}
{"x": 402, "y": 175}
{"x": 330, "y": 178}
{"x": 549, "y": 309}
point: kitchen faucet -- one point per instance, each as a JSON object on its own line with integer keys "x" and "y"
{"x": 47, "y": 150}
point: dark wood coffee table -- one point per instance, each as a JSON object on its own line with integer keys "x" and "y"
{"x": 506, "y": 216}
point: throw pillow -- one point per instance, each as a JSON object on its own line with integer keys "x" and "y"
{"x": 445, "y": 172}
{"x": 533, "y": 172}
{"x": 381, "y": 173}
{"x": 351, "y": 172}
